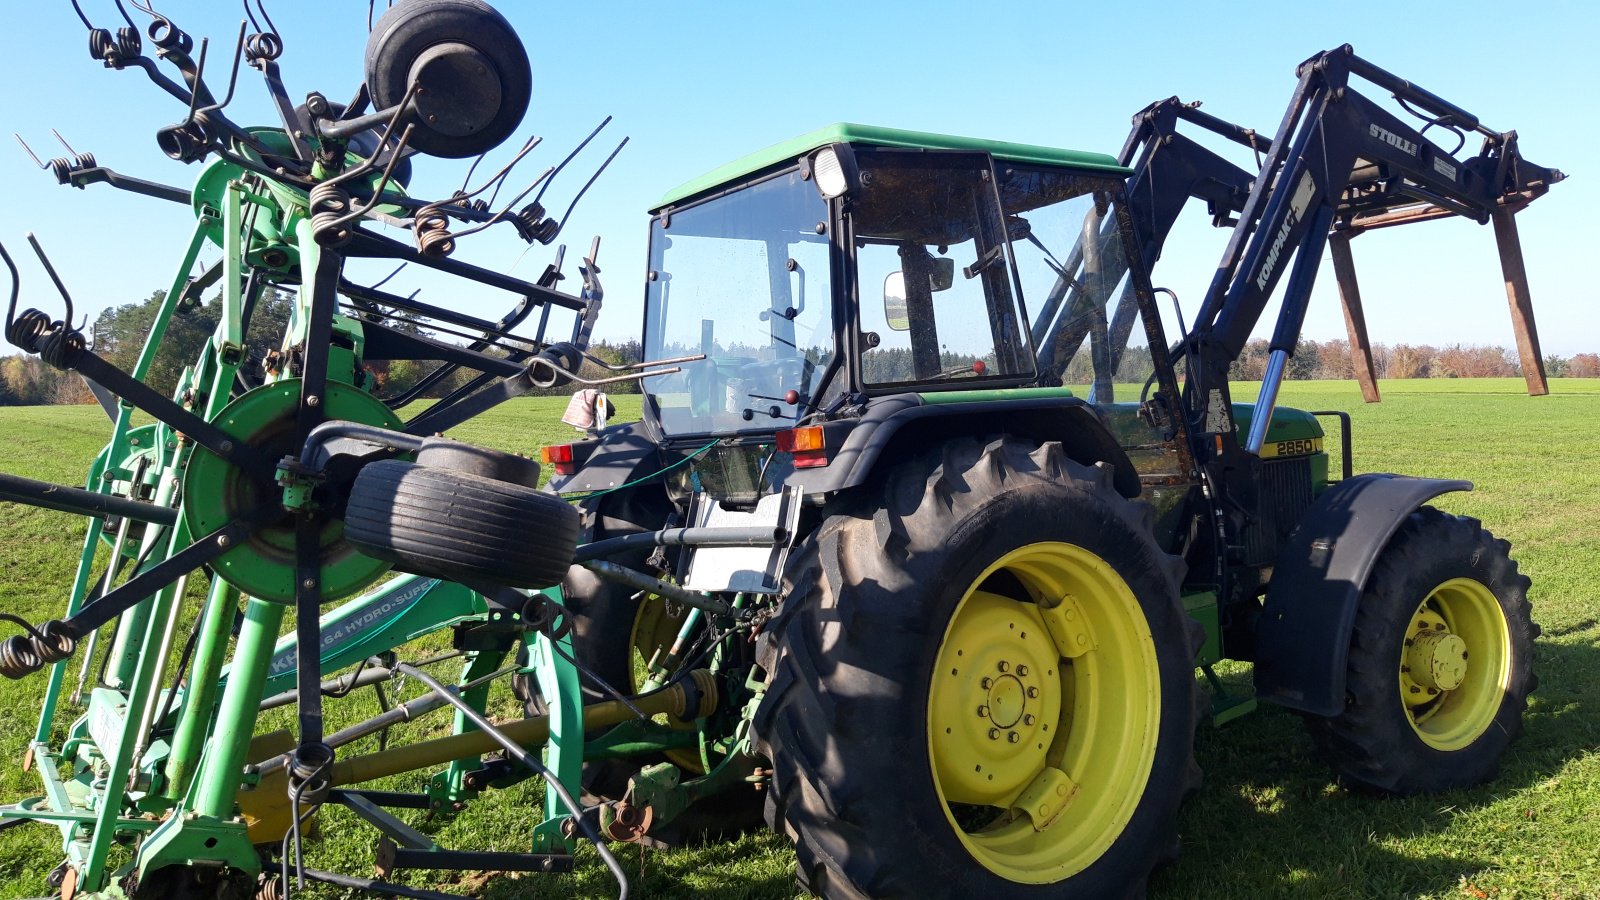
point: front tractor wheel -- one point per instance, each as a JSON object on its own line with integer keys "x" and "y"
{"x": 983, "y": 688}
{"x": 1440, "y": 663}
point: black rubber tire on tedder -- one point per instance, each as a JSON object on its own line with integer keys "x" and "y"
{"x": 917, "y": 658}
{"x": 460, "y": 527}
{"x": 1441, "y": 662}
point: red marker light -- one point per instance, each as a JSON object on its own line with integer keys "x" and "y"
{"x": 979, "y": 368}
{"x": 559, "y": 457}
{"x": 805, "y": 444}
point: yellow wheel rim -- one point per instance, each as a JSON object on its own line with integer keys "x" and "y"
{"x": 1454, "y": 664}
{"x": 1043, "y": 712}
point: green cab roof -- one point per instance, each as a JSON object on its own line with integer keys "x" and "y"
{"x": 875, "y": 136}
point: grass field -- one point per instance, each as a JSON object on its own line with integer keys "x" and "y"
{"x": 1268, "y": 823}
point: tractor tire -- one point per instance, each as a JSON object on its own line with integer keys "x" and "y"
{"x": 1441, "y": 662}
{"x": 610, "y": 632}
{"x": 921, "y": 715}
{"x": 460, "y": 527}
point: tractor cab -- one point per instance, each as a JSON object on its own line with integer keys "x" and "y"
{"x": 855, "y": 272}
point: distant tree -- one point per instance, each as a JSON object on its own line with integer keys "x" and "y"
{"x": 1555, "y": 365}
{"x": 1406, "y": 361}
{"x": 1333, "y": 360}
{"x": 1584, "y": 365}
{"x": 1303, "y": 361}
{"x": 1251, "y": 364}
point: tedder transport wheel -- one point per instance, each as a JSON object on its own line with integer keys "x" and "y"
{"x": 459, "y": 526}
{"x": 1441, "y": 662}
{"x": 984, "y": 687}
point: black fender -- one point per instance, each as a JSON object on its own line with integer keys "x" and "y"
{"x": 1303, "y": 637}
{"x": 900, "y": 425}
{"x": 625, "y": 452}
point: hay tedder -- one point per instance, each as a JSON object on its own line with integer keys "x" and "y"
{"x": 933, "y": 575}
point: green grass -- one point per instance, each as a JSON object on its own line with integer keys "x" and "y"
{"x": 1268, "y": 823}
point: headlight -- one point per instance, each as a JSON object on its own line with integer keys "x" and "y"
{"x": 829, "y": 173}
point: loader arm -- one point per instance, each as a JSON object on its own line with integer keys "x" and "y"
{"x": 1339, "y": 162}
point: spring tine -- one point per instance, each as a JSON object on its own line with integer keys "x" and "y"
{"x": 499, "y": 181}
{"x": 262, "y": 5}
{"x": 233, "y": 78}
{"x": 499, "y": 177}
{"x": 51, "y": 271}
{"x": 387, "y": 277}
{"x": 377, "y": 192}
{"x": 125, "y": 16}
{"x": 29, "y": 151}
{"x": 16, "y": 287}
{"x": 509, "y": 206}
{"x": 250, "y": 14}
{"x": 199, "y": 80}
{"x": 81, "y": 17}
{"x": 470, "y": 169}
{"x": 570, "y": 156}
{"x": 590, "y": 183}
{"x": 371, "y": 162}
{"x": 63, "y": 142}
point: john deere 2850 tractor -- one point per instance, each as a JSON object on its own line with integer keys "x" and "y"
{"x": 1030, "y": 511}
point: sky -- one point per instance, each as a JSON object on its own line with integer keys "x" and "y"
{"x": 695, "y": 84}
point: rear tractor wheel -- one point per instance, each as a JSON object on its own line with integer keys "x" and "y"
{"x": 983, "y": 688}
{"x": 1441, "y": 662}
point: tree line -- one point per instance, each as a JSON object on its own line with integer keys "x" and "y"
{"x": 119, "y": 334}
{"x": 1332, "y": 360}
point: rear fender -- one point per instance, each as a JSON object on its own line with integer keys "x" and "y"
{"x": 1303, "y": 639}
{"x": 898, "y": 427}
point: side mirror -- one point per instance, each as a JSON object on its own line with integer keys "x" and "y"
{"x": 894, "y": 302}
{"x": 940, "y": 278}
{"x": 472, "y": 67}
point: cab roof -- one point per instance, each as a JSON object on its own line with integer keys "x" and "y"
{"x": 876, "y": 136}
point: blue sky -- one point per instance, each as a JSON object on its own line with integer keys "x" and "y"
{"x": 697, "y": 84}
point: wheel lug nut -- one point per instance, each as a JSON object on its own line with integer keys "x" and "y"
{"x": 994, "y": 734}
{"x": 1004, "y": 666}
{"x": 1416, "y": 690}
{"x": 1021, "y": 670}
{"x": 1033, "y": 693}
{"x": 1027, "y": 720}
{"x": 986, "y": 683}
{"x": 983, "y": 712}
{"x": 1012, "y": 738}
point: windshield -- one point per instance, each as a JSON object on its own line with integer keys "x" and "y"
{"x": 745, "y": 279}
{"x": 1072, "y": 263}
{"x": 931, "y": 243}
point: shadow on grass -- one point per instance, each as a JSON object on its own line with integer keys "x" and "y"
{"x": 1270, "y": 822}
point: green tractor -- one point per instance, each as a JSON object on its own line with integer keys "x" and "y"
{"x": 1028, "y": 512}
{"x": 926, "y": 527}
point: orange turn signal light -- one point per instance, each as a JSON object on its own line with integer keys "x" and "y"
{"x": 559, "y": 457}
{"x": 806, "y": 444}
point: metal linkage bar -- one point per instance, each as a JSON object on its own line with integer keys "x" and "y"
{"x": 521, "y": 755}
{"x": 61, "y": 498}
